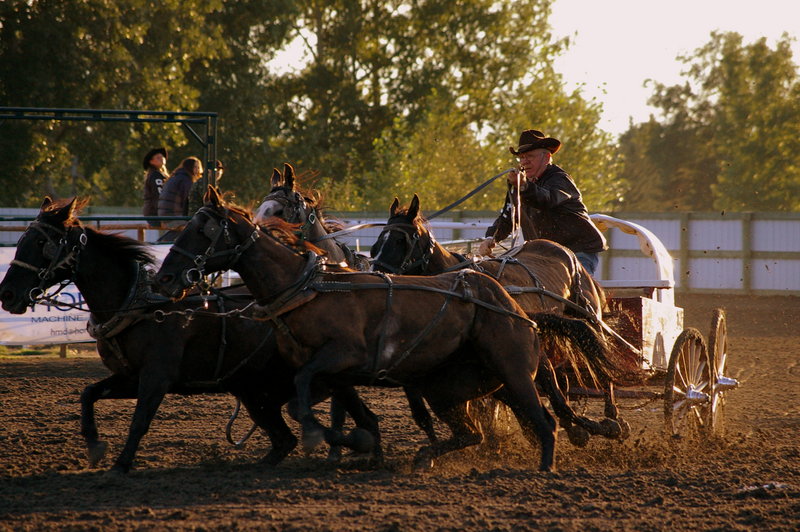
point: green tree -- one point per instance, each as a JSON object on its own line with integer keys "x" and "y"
{"x": 729, "y": 135}
{"x": 430, "y": 94}
{"x": 122, "y": 54}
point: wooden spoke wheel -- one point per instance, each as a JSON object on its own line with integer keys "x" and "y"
{"x": 688, "y": 385}
{"x": 718, "y": 353}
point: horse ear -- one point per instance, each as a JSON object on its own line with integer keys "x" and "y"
{"x": 65, "y": 213}
{"x": 393, "y": 208}
{"x": 212, "y": 196}
{"x": 413, "y": 209}
{"x": 277, "y": 178}
{"x": 288, "y": 175}
{"x": 46, "y": 203}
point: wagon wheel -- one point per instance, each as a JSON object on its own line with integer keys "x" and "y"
{"x": 718, "y": 346}
{"x": 688, "y": 385}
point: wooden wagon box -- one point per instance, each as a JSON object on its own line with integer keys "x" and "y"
{"x": 649, "y": 325}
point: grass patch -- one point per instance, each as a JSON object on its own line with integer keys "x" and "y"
{"x": 11, "y": 351}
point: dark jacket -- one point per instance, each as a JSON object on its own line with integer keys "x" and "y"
{"x": 552, "y": 208}
{"x": 174, "y": 198}
{"x": 153, "y": 183}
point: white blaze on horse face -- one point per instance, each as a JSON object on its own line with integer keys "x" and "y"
{"x": 380, "y": 250}
{"x": 267, "y": 209}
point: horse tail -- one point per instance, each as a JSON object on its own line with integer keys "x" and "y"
{"x": 574, "y": 343}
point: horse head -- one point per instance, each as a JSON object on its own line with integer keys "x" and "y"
{"x": 210, "y": 242}
{"x": 405, "y": 245}
{"x": 285, "y": 201}
{"x": 47, "y": 253}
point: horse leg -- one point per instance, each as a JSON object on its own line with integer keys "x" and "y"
{"x": 366, "y": 437}
{"x": 153, "y": 386}
{"x": 516, "y": 371}
{"x": 329, "y": 360}
{"x": 266, "y": 413}
{"x": 546, "y": 377}
{"x": 338, "y": 415}
{"x": 464, "y": 431}
{"x": 420, "y": 413}
{"x": 113, "y": 387}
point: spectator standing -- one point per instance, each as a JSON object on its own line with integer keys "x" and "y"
{"x": 174, "y": 198}
{"x": 155, "y": 167}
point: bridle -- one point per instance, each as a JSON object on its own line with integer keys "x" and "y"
{"x": 414, "y": 242}
{"x": 293, "y": 208}
{"x": 58, "y": 251}
{"x": 215, "y": 228}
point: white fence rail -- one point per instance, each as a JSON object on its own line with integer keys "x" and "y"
{"x": 726, "y": 252}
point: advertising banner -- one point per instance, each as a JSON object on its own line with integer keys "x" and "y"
{"x": 50, "y": 323}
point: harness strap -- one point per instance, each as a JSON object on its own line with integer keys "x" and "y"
{"x": 384, "y": 330}
{"x": 344, "y": 286}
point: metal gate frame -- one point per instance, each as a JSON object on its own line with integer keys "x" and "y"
{"x": 187, "y": 119}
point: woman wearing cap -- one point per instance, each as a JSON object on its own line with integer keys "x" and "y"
{"x": 551, "y": 204}
{"x": 155, "y": 166}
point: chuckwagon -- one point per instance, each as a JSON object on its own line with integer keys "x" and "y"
{"x": 644, "y": 315}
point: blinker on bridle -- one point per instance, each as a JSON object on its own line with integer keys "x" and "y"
{"x": 52, "y": 250}
{"x": 413, "y": 243}
{"x": 296, "y": 207}
{"x": 214, "y": 228}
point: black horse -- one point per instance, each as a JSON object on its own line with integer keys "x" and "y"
{"x": 371, "y": 329}
{"x": 156, "y": 348}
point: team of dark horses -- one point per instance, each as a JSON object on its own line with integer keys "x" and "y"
{"x": 314, "y": 320}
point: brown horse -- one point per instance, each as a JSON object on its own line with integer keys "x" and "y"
{"x": 455, "y": 336}
{"x": 541, "y": 275}
{"x": 153, "y": 346}
{"x": 302, "y": 207}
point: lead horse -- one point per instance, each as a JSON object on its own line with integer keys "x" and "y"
{"x": 153, "y": 346}
{"x": 374, "y": 329}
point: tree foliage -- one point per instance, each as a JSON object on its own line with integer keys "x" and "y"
{"x": 391, "y": 97}
{"x": 729, "y": 136}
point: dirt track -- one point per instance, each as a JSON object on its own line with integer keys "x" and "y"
{"x": 186, "y": 476}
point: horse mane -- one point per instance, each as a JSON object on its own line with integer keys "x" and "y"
{"x": 57, "y": 205}
{"x": 286, "y": 233}
{"x": 313, "y": 197}
{"x": 120, "y": 247}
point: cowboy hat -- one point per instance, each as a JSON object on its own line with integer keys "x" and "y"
{"x": 151, "y": 153}
{"x": 531, "y": 139}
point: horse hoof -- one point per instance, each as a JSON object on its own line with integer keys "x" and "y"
{"x": 611, "y": 428}
{"x": 361, "y": 441}
{"x": 578, "y": 436}
{"x": 625, "y": 429}
{"x": 422, "y": 465}
{"x": 334, "y": 455}
{"x": 96, "y": 452}
{"x": 117, "y": 471}
{"x": 312, "y": 439}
